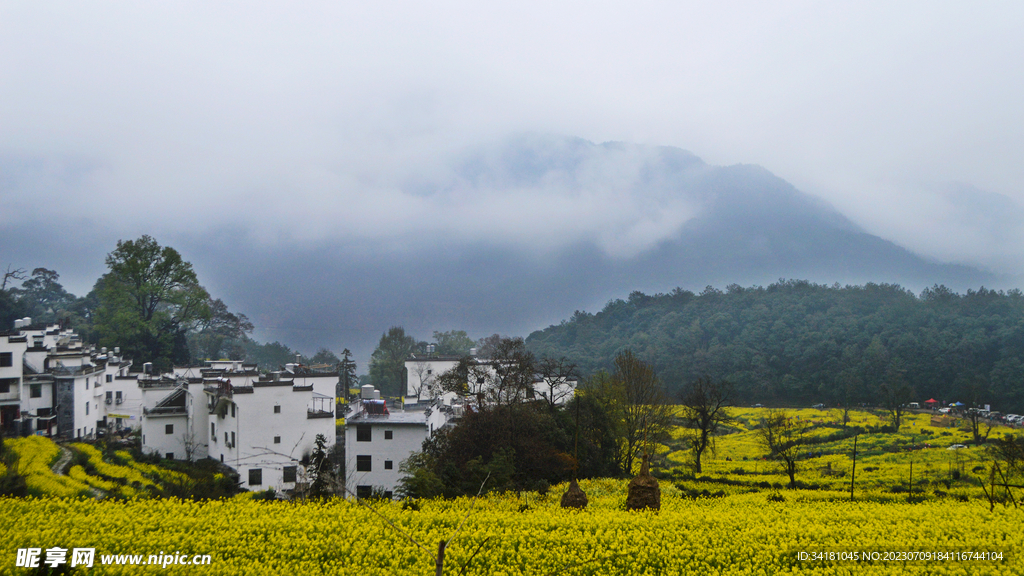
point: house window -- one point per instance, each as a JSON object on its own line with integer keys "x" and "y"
{"x": 35, "y": 390}
{"x": 117, "y": 397}
{"x": 429, "y": 372}
{"x": 213, "y": 431}
{"x": 86, "y": 408}
{"x": 289, "y": 473}
{"x": 277, "y": 439}
{"x": 388, "y": 465}
{"x": 232, "y": 410}
{"x": 277, "y": 409}
{"x": 6, "y": 359}
{"x": 225, "y": 437}
{"x": 232, "y": 439}
{"x": 256, "y": 477}
{"x": 389, "y": 434}
{"x": 364, "y": 432}
{"x": 364, "y": 491}
{"x": 86, "y": 383}
{"x": 363, "y": 464}
{"x": 5, "y": 386}
{"x": 78, "y": 433}
{"x": 169, "y": 429}
{"x": 110, "y": 378}
{"x": 170, "y": 455}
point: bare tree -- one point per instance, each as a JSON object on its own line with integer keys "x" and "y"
{"x": 467, "y": 378}
{"x": 980, "y": 426}
{"x": 191, "y": 445}
{"x": 643, "y": 409}
{"x": 703, "y": 412}
{"x": 560, "y": 377}
{"x": 895, "y": 393}
{"x": 783, "y": 438}
{"x": 510, "y": 379}
{"x": 422, "y": 378}
{"x": 11, "y": 275}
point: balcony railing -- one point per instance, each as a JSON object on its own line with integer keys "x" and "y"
{"x": 319, "y": 414}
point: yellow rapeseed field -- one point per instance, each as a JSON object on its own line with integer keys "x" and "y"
{"x": 740, "y": 534}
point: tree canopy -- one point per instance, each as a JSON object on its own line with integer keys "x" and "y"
{"x": 149, "y": 300}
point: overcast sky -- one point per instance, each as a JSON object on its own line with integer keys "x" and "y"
{"x": 303, "y": 123}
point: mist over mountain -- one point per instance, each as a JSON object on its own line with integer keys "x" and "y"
{"x": 517, "y": 235}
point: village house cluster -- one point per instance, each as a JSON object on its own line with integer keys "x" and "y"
{"x": 263, "y": 425}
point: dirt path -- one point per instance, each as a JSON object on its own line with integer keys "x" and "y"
{"x": 60, "y": 466}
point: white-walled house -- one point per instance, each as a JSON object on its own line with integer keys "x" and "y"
{"x": 261, "y": 425}
{"x": 378, "y": 439}
{"x": 265, "y": 430}
{"x": 53, "y": 384}
{"x": 174, "y": 415}
{"x": 423, "y": 371}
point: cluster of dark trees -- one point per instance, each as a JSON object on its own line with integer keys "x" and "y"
{"x": 796, "y": 342}
{"x": 508, "y": 442}
{"x": 150, "y": 304}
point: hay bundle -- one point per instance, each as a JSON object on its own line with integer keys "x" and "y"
{"x": 574, "y": 496}
{"x": 643, "y": 490}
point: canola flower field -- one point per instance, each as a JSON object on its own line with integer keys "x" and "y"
{"x": 750, "y": 528}
{"x": 739, "y": 534}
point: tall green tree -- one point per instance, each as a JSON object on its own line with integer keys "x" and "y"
{"x": 44, "y": 298}
{"x": 347, "y": 378}
{"x": 150, "y": 300}
{"x": 453, "y": 343}
{"x": 387, "y": 363}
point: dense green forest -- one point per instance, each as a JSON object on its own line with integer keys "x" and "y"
{"x": 795, "y": 342}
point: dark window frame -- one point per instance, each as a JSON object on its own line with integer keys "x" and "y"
{"x": 364, "y": 463}
{"x": 290, "y": 473}
{"x": 364, "y": 433}
{"x": 255, "y": 476}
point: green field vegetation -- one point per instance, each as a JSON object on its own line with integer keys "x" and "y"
{"x": 884, "y": 459}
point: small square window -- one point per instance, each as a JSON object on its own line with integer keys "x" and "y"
{"x": 170, "y": 456}
{"x": 363, "y": 464}
{"x": 364, "y": 491}
{"x": 168, "y": 429}
{"x": 289, "y": 473}
{"x": 388, "y": 465}
{"x": 256, "y": 477}
{"x": 277, "y": 409}
{"x": 35, "y": 390}
{"x": 5, "y": 387}
{"x": 110, "y": 378}
{"x": 277, "y": 439}
{"x": 389, "y": 434}
{"x": 6, "y": 359}
{"x": 364, "y": 432}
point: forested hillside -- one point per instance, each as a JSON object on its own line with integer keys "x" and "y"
{"x": 797, "y": 342}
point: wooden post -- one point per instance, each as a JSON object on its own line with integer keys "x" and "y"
{"x": 853, "y": 472}
{"x": 910, "y": 498}
{"x": 439, "y": 563}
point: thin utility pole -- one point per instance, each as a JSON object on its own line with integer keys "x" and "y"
{"x": 853, "y": 473}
